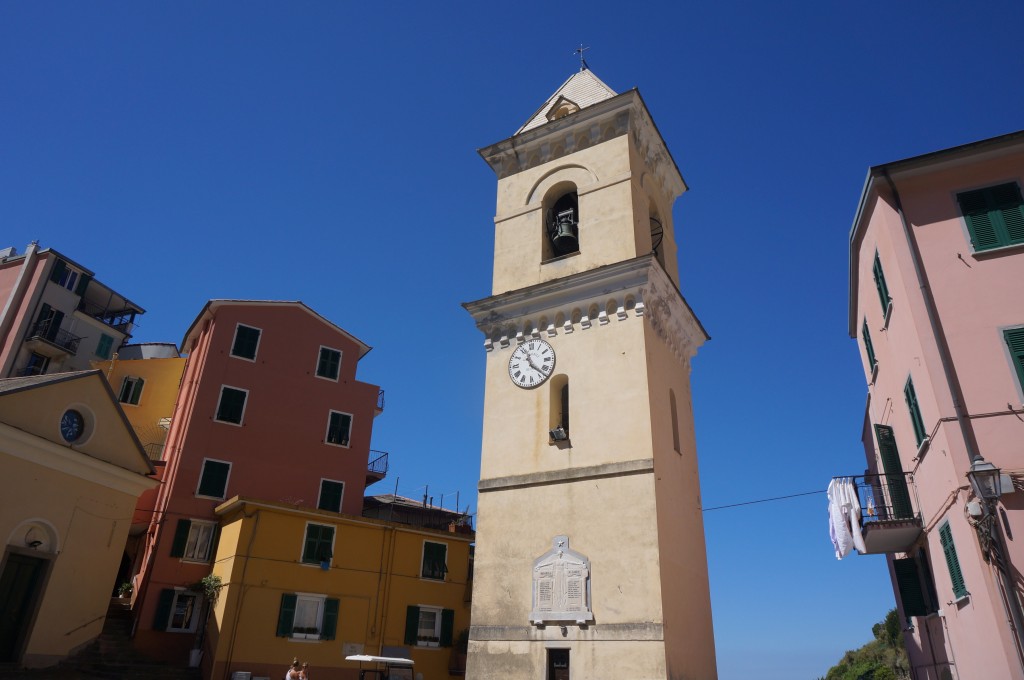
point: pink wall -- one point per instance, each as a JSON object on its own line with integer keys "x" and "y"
{"x": 976, "y": 295}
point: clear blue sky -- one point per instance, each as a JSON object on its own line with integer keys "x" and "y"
{"x": 325, "y": 151}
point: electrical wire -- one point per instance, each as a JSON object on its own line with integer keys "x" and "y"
{"x": 763, "y": 500}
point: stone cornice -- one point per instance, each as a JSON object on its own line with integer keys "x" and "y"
{"x": 625, "y": 113}
{"x": 637, "y": 288}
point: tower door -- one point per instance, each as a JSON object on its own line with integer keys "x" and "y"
{"x": 19, "y": 593}
{"x": 558, "y": 664}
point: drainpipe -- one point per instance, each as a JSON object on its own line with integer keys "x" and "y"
{"x": 1010, "y": 603}
{"x": 14, "y": 302}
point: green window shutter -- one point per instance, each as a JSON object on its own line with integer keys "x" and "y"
{"x": 952, "y": 561}
{"x": 447, "y": 624}
{"x": 434, "y": 560}
{"x": 180, "y": 538}
{"x": 994, "y": 215}
{"x": 883, "y": 289}
{"x": 59, "y": 267}
{"x": 330, "y": 623}
{"x": 329, "y": 363}
{"x": 214, "y": 479}
{"x": 910, "y": 395}
{"x": 317, "y": 546}
{"x": 58, "y": 318}
{"x": 232, "y": 405}
{"x": 286, "y": 615}
{"x": 412, "y": 624}
{"x": 330, "y": 496}
{"x": 126, "y": 391}
{"x": 1015, "y": 341}
{"x": 45, "y": 312}
{"x": 908, "y": 582}
{"x": 104, "y": 346}
{"x": 136, "y": 391}
{"x": 163, "y": 609}
{"x": 246, "y": 341}
{"x": 83, "y": 284}
{"x": 899, "y": 495}
{"x": 868, "y": 345}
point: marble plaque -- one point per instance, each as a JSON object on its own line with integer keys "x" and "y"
{"x": 561, "y": 586}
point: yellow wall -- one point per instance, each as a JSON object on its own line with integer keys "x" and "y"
{"x": 375, "y": 573}
{"x": 160, "y": 390}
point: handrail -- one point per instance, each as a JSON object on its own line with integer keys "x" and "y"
{"x": 378, "y": 462}
{"x": 58, "y": 337}
{"x": 886, "y": 496}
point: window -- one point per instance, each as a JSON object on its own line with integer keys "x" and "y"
{"x": 865, "y": 334}
{"x": 339, "y": 427}
{"x": 48, "y": 324}
{"x": 104, "y": 346}
{"x": 213, "y": 480}
{"x": 994, "y": 216}
{"x": 329, "y": 364}
{"x": 177, "y": 611}
{"x": 1015, "y": 342}
{"x": 558, "y": 400}
{"x": 915, "y": 585}
{"x": 883, "y": 290}
{"x": 307, "y": 617}
{"x": 675, "y": 420}
{"x": 952, "y": 561}
{"x": 37, "y": 364}
{"x": 319, "y": 544}
{"x": 193, "y": 540}
{"x": 231, "y": 406}
{"x": 131, "y": 390}
{"x": 66, "y": 277}
{"x": 558, "y": 664}
{"x": 247, "y": 341}
{"x": 331, "y": 493}
{"x": 920, "y": 434}
{"x": 429, "y": 626}
{"x": 563, "y": 219}
{"x": 434, "y": 560}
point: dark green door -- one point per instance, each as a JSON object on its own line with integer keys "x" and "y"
{"x": 19, "y": 592}
{"x": 899, "y": 496}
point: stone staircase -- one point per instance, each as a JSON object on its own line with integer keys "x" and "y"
{"x": 110, "y": 657}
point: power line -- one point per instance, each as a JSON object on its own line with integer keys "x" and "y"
{"x": 763, "y": 500}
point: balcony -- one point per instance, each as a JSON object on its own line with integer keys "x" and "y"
{"x": 50, "y": 340}
{"x": 380, "y": 404}
{"x": 120, "y": 317}
{"x": 888, "y": 519}
{"x": 377, "y": 468}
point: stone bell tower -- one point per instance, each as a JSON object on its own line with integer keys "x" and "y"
{"x": 590, "y": 560}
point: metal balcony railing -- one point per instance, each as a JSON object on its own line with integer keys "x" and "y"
{"x": 118, "y": 318}
{"x": 154, "y": 451}
{"x": 54, "y": 335}
{"x": 378, "y": 465}
{"x": 380, "y": 400}
{"x": 890, "y": 515}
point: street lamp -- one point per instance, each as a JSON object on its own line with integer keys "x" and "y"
{"x": 984, "y": 478}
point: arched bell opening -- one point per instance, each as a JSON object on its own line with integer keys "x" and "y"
{"x": 657, "y": 234}
{"x": 561, "y": 222}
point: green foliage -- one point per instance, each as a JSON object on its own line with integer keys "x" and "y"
{"x": 884, "y": 658}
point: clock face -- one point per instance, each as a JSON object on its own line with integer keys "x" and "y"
{"x": 72, "y": 425}
{"x": 532, "y": 363}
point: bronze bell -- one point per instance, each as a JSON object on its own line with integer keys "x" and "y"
{"x": 564, "y": 234}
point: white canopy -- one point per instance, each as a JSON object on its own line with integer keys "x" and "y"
{"x": 366, "y": 658}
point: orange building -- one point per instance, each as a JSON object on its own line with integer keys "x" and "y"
{"x": 269, "y": 407}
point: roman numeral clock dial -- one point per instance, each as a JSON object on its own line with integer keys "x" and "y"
{"x": 531, "y": 363}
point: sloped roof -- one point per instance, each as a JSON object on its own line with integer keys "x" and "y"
{"x": 582, "y": 89}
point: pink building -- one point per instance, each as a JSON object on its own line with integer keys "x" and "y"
{"x": 269, "y": 407}
{"x": 55, "y": 316}
{"x": 937, "y": 307}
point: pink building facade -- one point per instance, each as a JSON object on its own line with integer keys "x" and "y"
{"x": 937, "y": 308}
{"x": 269, "y": 407}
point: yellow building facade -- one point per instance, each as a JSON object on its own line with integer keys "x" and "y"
{"x": 71, "y": 471}
{"x": 320, "y": 586}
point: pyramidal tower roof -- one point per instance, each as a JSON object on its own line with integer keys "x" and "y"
{"x": 581, "y": 90}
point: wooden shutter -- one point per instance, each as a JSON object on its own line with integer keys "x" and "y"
{"x": 908, "y": 582}
{"x": 330, "y": 496}
{"x": 330, "y": 622}
{"x": 447, "y": 624}
{"x": 286, "y": 615}
{"x": 163, "y": 609}
{"x": 136, "y": 391}
{"x": 952, "y": 561}
{"x": 1015, "y": 341}
{"x": 59, "y": 267}
{"x": 55, "y": 321}
{"x": 214, "y": 479}
{"x": 180, "y": 538}
{"x": 412, "y": 624}
{"x": 883, "y": 289}
{"x": 910, "y": 395}
{"x": 869, "y": 347}
{"x": 994, "y": 215}
{"x": 83, "y": 284}
{"x": 899, "y": 496}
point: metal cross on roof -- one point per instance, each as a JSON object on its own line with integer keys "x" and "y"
{"x": 583, "y": 62}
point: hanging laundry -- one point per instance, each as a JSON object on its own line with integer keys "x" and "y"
{"x": 854, "y": 514}
{"x": 842, "y": 539}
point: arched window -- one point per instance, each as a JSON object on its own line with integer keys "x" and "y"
{"x": 675, "y": 420}
{"x": 561, "y": 222}
{"x": 559, "y": 408}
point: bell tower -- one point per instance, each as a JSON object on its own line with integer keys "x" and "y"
{"x": 590, "y": 559}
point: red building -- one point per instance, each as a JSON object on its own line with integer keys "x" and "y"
{"x": 268, "y": 407}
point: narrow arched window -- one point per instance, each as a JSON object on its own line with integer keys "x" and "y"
{"x": 675, "y": 420}
{"x": 559, "y": 408}
{"x": 561, "y": 222}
